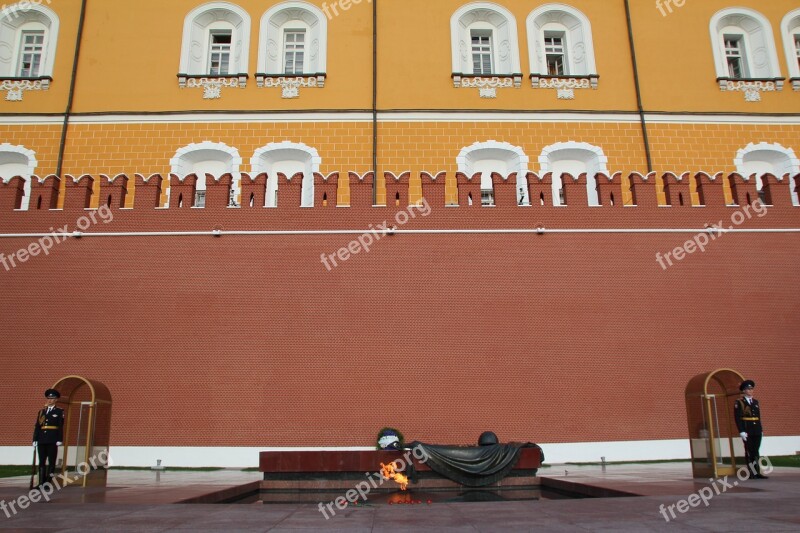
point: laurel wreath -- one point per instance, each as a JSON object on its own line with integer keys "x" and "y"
{"x": 384, "y": 431}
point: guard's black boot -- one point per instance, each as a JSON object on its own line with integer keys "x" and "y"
{"x": 42, "y": 476}
{"x": 757, "y": 471}
{"x": 51, "y": 473}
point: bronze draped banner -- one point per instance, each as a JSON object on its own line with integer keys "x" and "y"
{"x": 472, "y": 466}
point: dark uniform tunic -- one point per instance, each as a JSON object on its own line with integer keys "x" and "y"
{"x": 748, "y": 420}
{"x": 48, "y": 431}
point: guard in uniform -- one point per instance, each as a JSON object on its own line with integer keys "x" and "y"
{"x": 747, "y": 413}
{"x": 48, "y": 434}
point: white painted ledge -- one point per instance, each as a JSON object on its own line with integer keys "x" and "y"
{"x": 555, "y": 453}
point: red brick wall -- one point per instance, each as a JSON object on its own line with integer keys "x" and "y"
{"x": 251, "y": 341}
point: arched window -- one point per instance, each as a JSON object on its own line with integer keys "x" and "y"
{"x": 216, "y": 40}
{"x": 560, "y": 45}
{"x": 492, "y": 156}
{"x": 744, "y": 50}
{"x": 28, "y": 39}
{"x": 790, "y": 30}
{"x": 288, "y": 159}
{"x": 764, "y": 158}
{"x": 293, "y": 44}
{"x": 573, "y": 158}
{"x": 204, "y": 158}
{"x": 18, "y": 161}
{"x": 484, "y": 43}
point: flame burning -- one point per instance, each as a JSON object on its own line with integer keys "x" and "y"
{"x": 389, "y": 472}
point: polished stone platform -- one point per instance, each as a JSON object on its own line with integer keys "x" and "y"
{"x": 341, "y": 470}
{"x": 274, "y": 464}
{"x": 145, "y": 501}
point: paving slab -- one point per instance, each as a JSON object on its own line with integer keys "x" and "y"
{"x": 144, "y": 501}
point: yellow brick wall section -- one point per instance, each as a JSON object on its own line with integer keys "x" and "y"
{"x": 146, "y": 148}
{"x": 712, "y": 147}
{"x": 434, "y": 146}
{"x": 627, "y": 195}
{"x": 42, "y": 139}
{"x": 415, "y": 190}
{"x": 451, "y": 190}
{"x": 661, "y": 193}
{"x": 343, "y": 190}
{"x": 380, "y": 190}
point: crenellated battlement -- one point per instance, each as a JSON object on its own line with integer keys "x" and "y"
{"x": 569, "y": 199}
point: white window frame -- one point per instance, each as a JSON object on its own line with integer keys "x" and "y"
{"x": 487, "y": 197}
{"x": 27, "y": 16}
{"x": 482, "y": 51}
{"x": 758, "y": 39}
{"x": 200, "y": 196}
{"x": 267, "y": 157}
{"x": 790, "y": 30}
{"x": 579, "y": 43}
{"x": 505, "y": 42}
{"x": 552, "y": 50}
{"x": 197, "y": 28}
{"x": 797, "y": 48}
{"x": 38, "y": 51}
{"x": 271, "y": 43}
{"x": 213, "y": 48}
{"x": 294, "y": 49}
{"x": 592, "y": 157}
{"x": 10, "y": 153}
{"x": 182, "y": 165}
{"x": 515, "y": 161}
{"x": 742, "y": 54}
{"x": 784, "y": 161}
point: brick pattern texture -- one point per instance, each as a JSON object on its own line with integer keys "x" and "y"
{"x": 146, "y": 148}
{"x": 249, "y": 340}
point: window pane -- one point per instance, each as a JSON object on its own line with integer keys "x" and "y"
{"x": 294, "y": 51}
{"x": 220, "y": 53}
{"x": 735, "y": 56}
{"x": 481, "y": 52}
{"x": 556, "y": 53}
{"x": 31, "y": 51}
{"x": 554, "y": 45}
{"x": 732, "y": 47}
{"x": 555, "y": 65}
{"x": 735, "y": 68}
{"x": 797, "y": 48}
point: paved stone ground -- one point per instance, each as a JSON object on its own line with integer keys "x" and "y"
{"x": 140, "y": 501}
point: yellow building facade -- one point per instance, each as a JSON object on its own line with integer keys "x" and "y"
{"x": 251, "y": 86}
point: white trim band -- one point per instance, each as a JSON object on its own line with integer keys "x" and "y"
{"x": 555, "y": 453}
{"x": 394, "y": 231}
{"x": 421, "y": 116}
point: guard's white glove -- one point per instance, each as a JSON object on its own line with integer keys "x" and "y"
{"x": 743, "y": 435}
{"x": 34, "y": 444}
{"x": 59, "y": 443}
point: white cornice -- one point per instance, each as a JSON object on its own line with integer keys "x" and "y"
{"x": 721, "y": 119}
{"x": 413, "y": 116}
